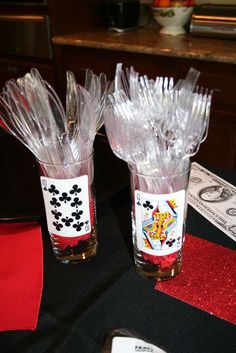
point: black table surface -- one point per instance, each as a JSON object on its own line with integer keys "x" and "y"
{"x": 81, "y": 304}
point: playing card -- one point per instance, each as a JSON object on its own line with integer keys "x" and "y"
{"x": 67, "y": 205}
{"x": 159, "y": 221}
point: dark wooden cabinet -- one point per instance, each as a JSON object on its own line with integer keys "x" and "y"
{"x": 219, "y": 149}
{"x": 14, "y": 67}
{"x": 71, "y": 16}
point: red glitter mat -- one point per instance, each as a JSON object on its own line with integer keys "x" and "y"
{"x": 207, "y": 280}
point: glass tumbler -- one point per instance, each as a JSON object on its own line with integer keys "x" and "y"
{"x": 159, "y": 207}
{"x": 70, "y": 209}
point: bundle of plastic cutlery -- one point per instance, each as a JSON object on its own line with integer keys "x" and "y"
{"x": 33, "y": 113}
{"x": 156, "y": 125}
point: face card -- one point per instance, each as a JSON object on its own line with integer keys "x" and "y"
{"x": 159, "y": 222}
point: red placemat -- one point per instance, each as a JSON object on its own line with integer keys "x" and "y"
{"x": 21, "y": 275}
{"x": 207, "y": 280}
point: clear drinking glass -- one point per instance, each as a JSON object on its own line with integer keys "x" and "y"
{"x": 70, "y": 209}
{"x": 159, "y": 207}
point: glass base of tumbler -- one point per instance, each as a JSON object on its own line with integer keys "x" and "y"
{"x": 84, "y": 251}
{"x": 158, "y": 272}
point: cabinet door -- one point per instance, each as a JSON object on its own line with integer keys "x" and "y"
{"x": 78, "y": 60}
{"x": 10, "y": 67}
{"x": 219, "y": 149}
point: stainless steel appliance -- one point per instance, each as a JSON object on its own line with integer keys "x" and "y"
{"x": 122, "y": 15}
{"x": 25, "y": 35}
{"x": 214, "y": 21}
{"x": 23, "y": 2}
{"x": 25, "y": 28}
